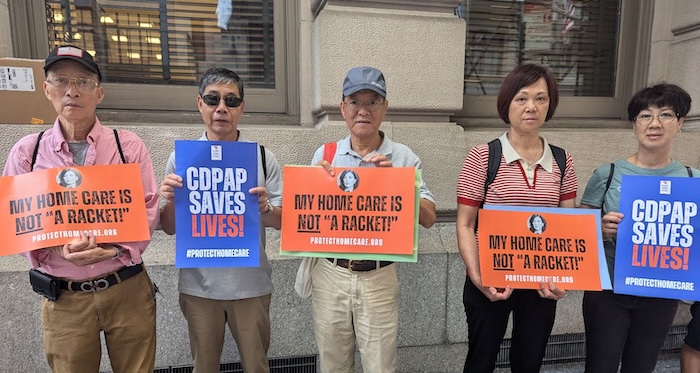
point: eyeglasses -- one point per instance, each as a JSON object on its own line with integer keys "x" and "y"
{"x": 664, "y": 118}
{"x": 229, "y": 100}
{"x": 371, "y": 106}
{"x": 63, "y": 83}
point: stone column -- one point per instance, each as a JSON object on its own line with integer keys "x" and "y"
{"x": 419, "y": 45}
{"x": 5, "y": 36}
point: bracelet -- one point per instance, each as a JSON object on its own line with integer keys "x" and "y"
{"x": 269, "y": 208}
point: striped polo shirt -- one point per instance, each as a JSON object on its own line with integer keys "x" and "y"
{"x": 511, "y": 186}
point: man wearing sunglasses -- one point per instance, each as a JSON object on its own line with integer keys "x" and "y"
{"x": 100, "y": 288}
{"x": 356, "y": 302}
{"x": 211, "y": 298}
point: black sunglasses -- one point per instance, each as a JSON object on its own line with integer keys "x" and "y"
{"x": 229, "y": 100}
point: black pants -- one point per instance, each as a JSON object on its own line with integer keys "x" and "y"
{"x": 625, "y": 326}
{"x": 693, "y": 337}
{"x": 533, "y": 318}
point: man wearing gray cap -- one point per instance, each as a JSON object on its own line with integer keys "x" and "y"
{"x": 357, "y": 301}
{"x": 90, "y": 288}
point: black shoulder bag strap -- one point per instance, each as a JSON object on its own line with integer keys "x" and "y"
{"x": 607, "y": 186}
{"x": 36, "y": 150}
{"x": 495, "y": 152}
{"x": 119, "y": 146}
{"x": 264, "y": 163}
{"x": 560, "y": 157}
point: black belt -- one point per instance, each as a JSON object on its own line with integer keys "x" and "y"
{"x": 102, "y": 283}
{"x": 359, "y": 265}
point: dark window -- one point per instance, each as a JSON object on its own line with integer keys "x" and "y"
{"x": 168, "y": 41}
{"x": 577, "y": 40}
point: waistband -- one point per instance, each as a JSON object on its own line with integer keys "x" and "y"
{"x": 359, "y": 265}
{"x": 102, "y": 283}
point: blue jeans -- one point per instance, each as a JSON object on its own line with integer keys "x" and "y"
{"x": 533, "y": 319}
{"x": 625, "y": 326}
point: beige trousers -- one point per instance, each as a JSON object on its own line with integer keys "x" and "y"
{"x": 249, "y": 322}
{"x": 355, "y": 309}
{"x": 125, "y": 312}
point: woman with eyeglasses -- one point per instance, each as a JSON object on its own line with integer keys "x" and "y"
{"x": 529, "y": 174}
{"x": 620, "y": 326}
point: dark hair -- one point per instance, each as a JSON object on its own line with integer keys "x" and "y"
{"x": 523, "y": 76}
{"x": 220, "y": 75}
{"x": 659, "y": 95}
{"x": 63, "y": 173}
{"x": 341, "y": 178}
{"x": 532, "y": 218}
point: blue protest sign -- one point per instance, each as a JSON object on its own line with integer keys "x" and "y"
{"x": 654, "y": 255}
{"x": 216, "y": 219}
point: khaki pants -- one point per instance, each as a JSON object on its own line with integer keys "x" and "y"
{"x": 125, "y": 312}
{"x": 249, "y": 322}
{"x": 352, "y": 308}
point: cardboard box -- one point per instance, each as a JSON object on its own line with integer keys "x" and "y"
{"x": 22, "y": 99}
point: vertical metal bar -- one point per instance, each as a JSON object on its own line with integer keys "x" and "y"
{"x": 65, "y": 11}
{"x": 268, "y": 41}
{"x": 164, "y": 44}
{"x": 521, "y": 32}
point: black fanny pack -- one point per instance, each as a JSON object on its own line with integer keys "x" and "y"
{"x": 44, "y": 284}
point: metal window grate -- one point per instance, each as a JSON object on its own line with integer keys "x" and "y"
{"x": 576, "y": 39}
{"x": 168, "y": 41}
{"x": 292, "y": 364}
{"x": 571, "y": 348}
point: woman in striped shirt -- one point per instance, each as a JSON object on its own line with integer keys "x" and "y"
{"x": 528, "y": 175}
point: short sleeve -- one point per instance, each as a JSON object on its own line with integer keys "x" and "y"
{"x": 569, "y": 185}
{"x": 595, "y": 189}
{"x": 472, "y": 177}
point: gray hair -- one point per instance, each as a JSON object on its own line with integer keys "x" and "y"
{"x": 220, "y": 75}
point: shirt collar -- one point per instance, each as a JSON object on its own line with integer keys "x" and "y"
{"x": 92, "y": 137}
{"x": 240, "y": 137}
{"x": 385, "y": 148}
{"x": 510, "y": 155}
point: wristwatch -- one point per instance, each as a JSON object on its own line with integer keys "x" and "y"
{"x": 269, "y": 208}
{"x": 120, "y": 251}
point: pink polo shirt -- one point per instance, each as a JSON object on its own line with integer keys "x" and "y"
{"x": 54, "y": 152}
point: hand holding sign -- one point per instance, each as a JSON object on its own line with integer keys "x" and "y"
{"x": 168, "y": 185}
{"x": 379, "y": 160}
{"x": 609, "y": 222}
{"x": 217, "y": 204}
{"x": 84, "y": 251}
{"x": 547, "y": 249}
{"x": 46, "y": 208}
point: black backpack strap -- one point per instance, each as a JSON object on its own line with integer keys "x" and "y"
{"x": 495, "y": 152}
{"x": 690, "y": 172}
{"x": 264, "y": 163}
{"x": 560, "y": 157}
{"x": 36, "y": 150}
{"x": 607, "y": 185}
{"x": 119, "y": 146}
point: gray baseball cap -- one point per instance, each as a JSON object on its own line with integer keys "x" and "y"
{"x": 365, "y": 77}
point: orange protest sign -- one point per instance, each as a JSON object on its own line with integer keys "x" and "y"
{"x": 521, "y": 247}
{"x": 51, "y": 207}
{"x": 359, "y": 210}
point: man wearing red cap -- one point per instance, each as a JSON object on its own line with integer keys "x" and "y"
{"x": 102, "y": 288}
